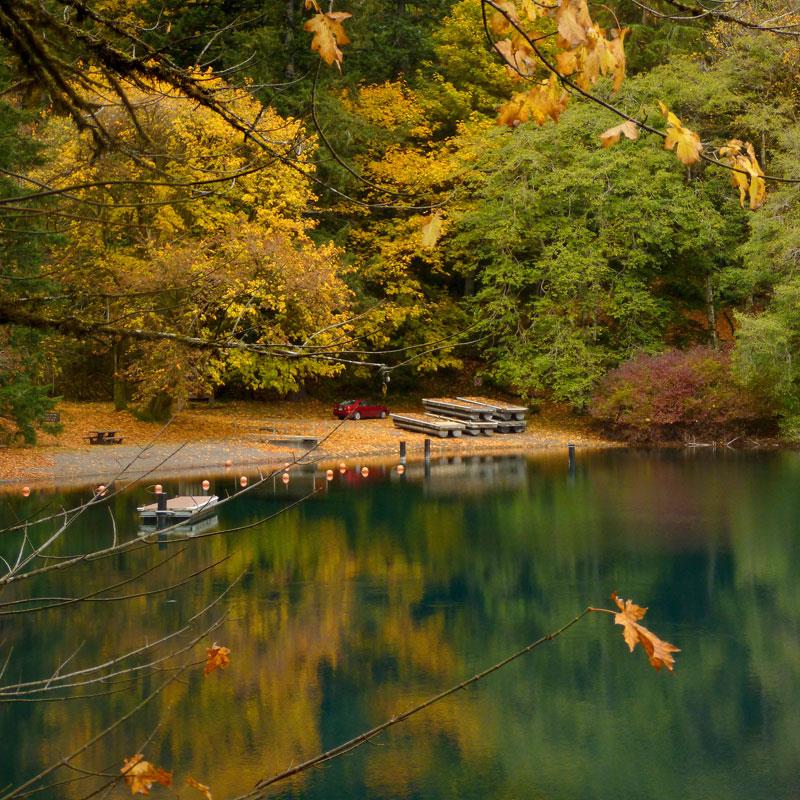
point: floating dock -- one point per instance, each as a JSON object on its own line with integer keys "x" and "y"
{"x": 178, "y": 508}
{"x": 471, "y": 427}
{"x": 457, "y": 408}
{"x": 433, "y": 426}
{"x": 499, "y": 408}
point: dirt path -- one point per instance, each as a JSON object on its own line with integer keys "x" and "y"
{"x": 207, "y": 438}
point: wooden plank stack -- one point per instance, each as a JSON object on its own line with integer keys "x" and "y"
{"x": 471, "y": 416}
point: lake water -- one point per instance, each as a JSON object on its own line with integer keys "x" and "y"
{"x": 376, "y": 593}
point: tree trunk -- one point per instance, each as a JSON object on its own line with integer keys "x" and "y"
{"x": 120, "y": 385}
{"x": 290, "y": 21}
{"x": 711, "y": 312}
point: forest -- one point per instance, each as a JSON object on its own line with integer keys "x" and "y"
{"x": 589, "y": 205}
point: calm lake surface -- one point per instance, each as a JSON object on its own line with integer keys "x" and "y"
{"x": 378, "y": 592}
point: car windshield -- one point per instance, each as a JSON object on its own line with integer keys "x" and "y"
{"x": 347, "y": 402}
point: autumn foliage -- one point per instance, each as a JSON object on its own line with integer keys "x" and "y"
{"x": 676, "y": 396}
{"x": 659, "y": 652}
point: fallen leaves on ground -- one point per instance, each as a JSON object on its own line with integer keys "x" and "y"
{"x": 658, "y": 651}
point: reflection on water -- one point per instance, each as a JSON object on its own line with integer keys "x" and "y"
{"x": 377, "y": 592}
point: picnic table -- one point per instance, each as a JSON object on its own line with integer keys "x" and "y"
{"x": 103, "y": 437}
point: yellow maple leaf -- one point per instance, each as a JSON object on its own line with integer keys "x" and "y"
{"x": 328, "y": 33}
{"x": 518, "y": 56}
{"x": 616, "y": 45}
{"x": 499, "y": 23}
{"x": 546, "y": 100}
{"x": 218, "y": 658}
{"x": 140, "y": 775}
{"x": 659, "y": 652}
{"x": 685, "y": 142}
{"x": 629, "y": 129}
{"x": 747, "y": 174}
{"x": 574, "y": 22}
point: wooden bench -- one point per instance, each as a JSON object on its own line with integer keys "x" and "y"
{"x": 103, "y": 437}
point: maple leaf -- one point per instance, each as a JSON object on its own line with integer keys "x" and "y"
{"x": 574, "y": 22}
{"x": 499, "y": 23}
{"x": 659, "y": 652}
{"x": 629, "y": 129}
{"x": 686, "y": 143}
{"x": 201, "y": 787}
{"x": 616, "y": 45}
{"x": 312, "y": 5}
{"x": 328, "y": 33}
{"x": 748, "y": 176}
{"x": 518, "y": 57}
{"x": 567, "y": 61}
{"x": 546, "y": 100}
{"x": 218, "y": 658}
{"x": 140, "y": 775}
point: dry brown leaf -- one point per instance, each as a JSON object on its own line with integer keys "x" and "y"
{"x": 218, "y": 658}
{"x": 686, "y": 143}
{"x": 328, "y": 33}
{"x": 629, "y": 129}
{"x": 201, "y": 787}
{"x": 140, "y": 775}
{"x": 658, "y": 651}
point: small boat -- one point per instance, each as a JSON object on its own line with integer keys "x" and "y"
{"x": 179, "y": 508}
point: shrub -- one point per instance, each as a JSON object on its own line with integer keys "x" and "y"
{"x": 678, "y": 396}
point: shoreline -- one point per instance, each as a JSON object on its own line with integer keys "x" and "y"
{"x": 204, "y": 440}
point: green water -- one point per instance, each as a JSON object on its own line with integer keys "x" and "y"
{"x": 379, "y": 592}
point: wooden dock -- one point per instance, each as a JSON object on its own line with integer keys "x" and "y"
{"x": 471, "y": 427}
{"x": 499, "y": 408}
{"x": 177, "y": 508}
{"x": 433, "y": 426}
{"x": 456, "y": 408}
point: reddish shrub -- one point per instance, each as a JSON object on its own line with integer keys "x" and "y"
{"x": 677, "y": 396}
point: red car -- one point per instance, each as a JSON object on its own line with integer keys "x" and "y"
{"x": 359, "y": 409}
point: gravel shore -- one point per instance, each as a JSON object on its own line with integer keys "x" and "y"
{"x": 236, "y": 435}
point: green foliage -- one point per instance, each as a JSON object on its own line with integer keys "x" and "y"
{"x": 765, "y": 358}
{"x": 24, "y": 402}
{"x": 583, "y": 256}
